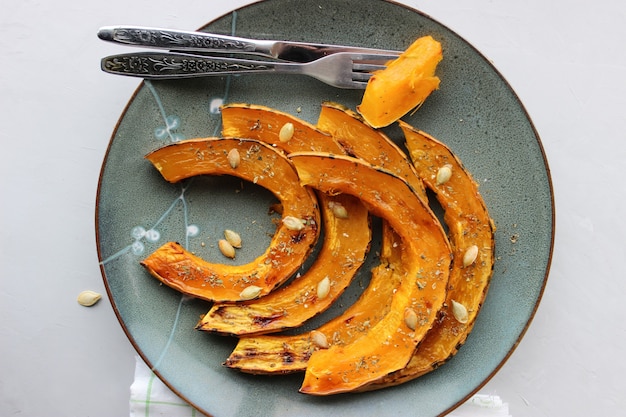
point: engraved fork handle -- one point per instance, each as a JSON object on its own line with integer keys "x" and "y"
{"x": 151, "y": 65}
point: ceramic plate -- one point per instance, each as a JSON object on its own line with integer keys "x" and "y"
{"x": 475, "y": 112}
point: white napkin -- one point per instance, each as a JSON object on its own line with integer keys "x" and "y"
{"x": 149, "y": 397}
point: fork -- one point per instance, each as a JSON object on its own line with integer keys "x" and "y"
{"x": 342, "y": 70}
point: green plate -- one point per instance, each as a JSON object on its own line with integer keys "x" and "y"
{"x": 475, "y": 112}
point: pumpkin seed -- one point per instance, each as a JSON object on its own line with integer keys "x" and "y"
{"x": 338, "y": 210}
{"x": 323, "y": 288}
{"x": 226, "y": 248}
{"x": 470, "y": 255}
{"x": 233, "y": 238}
{"x": 250, "y": 292}
{"x": 319, "y": 339}
{"x": 410, "y": 318}
{"x": 293, "y": 223}
{"x": 459, "y": 312}
{"x": 286, "y": 132}
{"x": 444, "y": 174}
{"x": 233, "y": 158}
{"x": 88, "y": 298}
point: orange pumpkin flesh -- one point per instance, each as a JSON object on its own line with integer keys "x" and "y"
{"x": 263, "y": 123}
{"x": 370, "y": 345}
{"x": 403, "y": 85}
{"x": 263, "y": 165}
{"x": 469, "y": 224}
{"x": 345, "y": 244}
{"x": 280, "y": 354}
{"x": 344, "y": 249}
{"x": 346, "y": 368}
{"x": 371, "y": 145}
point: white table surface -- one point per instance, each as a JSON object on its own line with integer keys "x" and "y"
{"x": 565, "y": 59}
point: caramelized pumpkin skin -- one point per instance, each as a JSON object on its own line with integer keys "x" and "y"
{"x": 469, "y": 224}
{"x": 344, "y": 249}
{"x": 403, "y": 85}
{"x": 260, "y": 164}
{"x": 389, "y": 344}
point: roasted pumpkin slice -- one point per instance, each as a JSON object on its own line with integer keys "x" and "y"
{"x": 292, "y": 242}
{"x": 472, "y": 236}
{"x": 388, "y": 345}
{"x": 347, "y": 237}
{"x": 276, "y": 128}
{"x": 403, "y": 85}
{"x": 346, "y": 242}
{"x": 359, "y": 139}
{"x": 269, "y": 354}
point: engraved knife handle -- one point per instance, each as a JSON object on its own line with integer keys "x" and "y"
{"x": 184, "y": 40}
{"x": 156, "y": 65}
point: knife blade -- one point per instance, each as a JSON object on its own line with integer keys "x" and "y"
{"x": 202, "y": 42}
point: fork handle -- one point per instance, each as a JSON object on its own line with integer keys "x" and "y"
{"x": 154, "y": 65}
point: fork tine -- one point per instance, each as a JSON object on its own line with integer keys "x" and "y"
{"x": 373, "y": 57}
{"x": 367, "y": 67}
{"x": 361, "y": 76}
{"x": 364, "y": 64}
{"x": 359, "y": 85}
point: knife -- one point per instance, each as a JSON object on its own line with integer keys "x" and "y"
{"x": 201, "y": 42}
